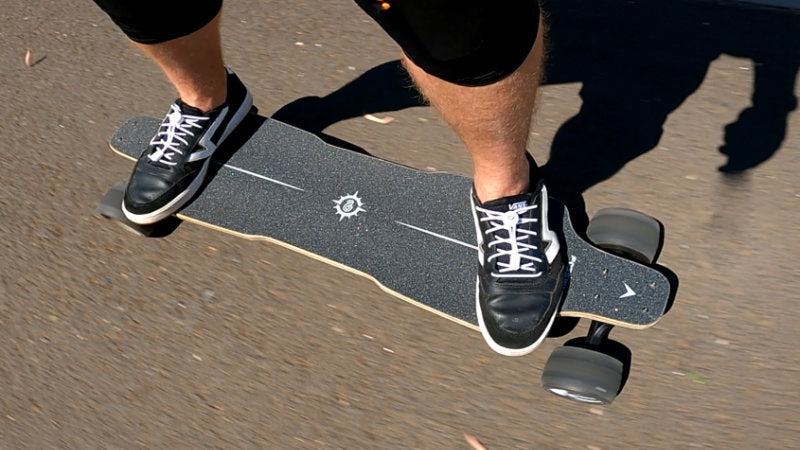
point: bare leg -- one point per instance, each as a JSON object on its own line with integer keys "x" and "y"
{"x": 493, "y": 122}
{"x": 194, "y": 65}
{"x": 186, "y": 139}
{"x": 514, "y": 239}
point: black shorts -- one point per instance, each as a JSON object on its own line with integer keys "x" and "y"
{"x": 469, "y": 42}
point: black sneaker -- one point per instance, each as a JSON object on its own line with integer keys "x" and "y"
{"x": 520, "y": 272}
{"x": 173, "y": 167}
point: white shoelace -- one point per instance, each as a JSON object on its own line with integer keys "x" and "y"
{"x": 521, "y": 264}
{"x": 172, "y": 133}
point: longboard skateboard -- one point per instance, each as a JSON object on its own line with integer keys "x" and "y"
{"x": 409, "y": 231}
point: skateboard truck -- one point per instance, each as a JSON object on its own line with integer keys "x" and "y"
{"x": 593, "y": 369}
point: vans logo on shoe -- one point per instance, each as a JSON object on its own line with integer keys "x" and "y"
{"x": 517, "y": 205}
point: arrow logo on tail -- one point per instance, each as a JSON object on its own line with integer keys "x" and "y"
{"x": 628, "y": 291}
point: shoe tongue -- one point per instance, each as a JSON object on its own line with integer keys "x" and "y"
{"x": 186, "y": 109}
{"x": 509, "y": 203}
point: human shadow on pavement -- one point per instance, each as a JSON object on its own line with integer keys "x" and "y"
{"x": 383, "y": 88}
{"x": 639, "y": 61}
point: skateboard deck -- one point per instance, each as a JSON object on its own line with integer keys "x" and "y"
{"x": 410, "y": 231}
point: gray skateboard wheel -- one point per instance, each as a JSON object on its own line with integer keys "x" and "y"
{"x": 626, "y": 233}
{"x": 583, "y": 375}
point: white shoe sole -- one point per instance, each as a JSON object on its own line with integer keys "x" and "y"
{"x": 505, "y": 351}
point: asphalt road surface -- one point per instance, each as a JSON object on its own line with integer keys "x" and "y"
{"x": 200, "y": 339}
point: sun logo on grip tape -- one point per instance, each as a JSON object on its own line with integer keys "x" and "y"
{"x": 349, "y": 206}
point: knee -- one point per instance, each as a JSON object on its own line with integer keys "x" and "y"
{"x": 154, "y": 21}
{"x": 469, "y": 42}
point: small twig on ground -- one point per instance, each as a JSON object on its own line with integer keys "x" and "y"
{"x": 474, "y": 442}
